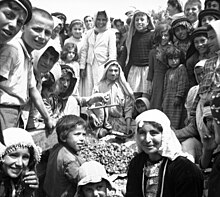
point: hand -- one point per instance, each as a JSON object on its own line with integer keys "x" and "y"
{"x": 31, "y": 180}
{"x": 177, "y": 101}
{"x": 49, "y": 125}
{"x": 82, "y": 73}
{"x": 209, "y": 143}
{"x": 96, "y": 121}
{"x": 98, "y": 97}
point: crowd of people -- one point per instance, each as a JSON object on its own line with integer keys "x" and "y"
{"x": 156, "y": 81}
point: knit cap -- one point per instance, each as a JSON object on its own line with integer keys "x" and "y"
{"x": 208, "y": 12}
{"x": 15, "y": 138}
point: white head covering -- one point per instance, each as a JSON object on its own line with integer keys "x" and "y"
{"x": 170, "y": 147}
{"x": 16, "y": 138}
{"x": 108, "y": 25}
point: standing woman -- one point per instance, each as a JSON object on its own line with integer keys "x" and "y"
{"x": 99, "y": 47}
{"x": 161, "y": 169}
{"x": 18, "y": 158}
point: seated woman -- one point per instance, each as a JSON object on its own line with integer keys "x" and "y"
{"x": 18, "y": 158}
{"x": 161, "y": 168}
{"x": 120, "y": 95}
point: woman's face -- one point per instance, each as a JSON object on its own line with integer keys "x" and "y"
{"x": 141, "y": 22}
{"x": 16, "y": 162}
{"x": 201, "y": 44}
{"x": 149, "y": 138}
{"x": 207, "y": 19}
{"x": 112, "y": 73}
{"x": 165, "y": 38}
{"x": 181, "y": 32}
{"x": 101, "y": 20}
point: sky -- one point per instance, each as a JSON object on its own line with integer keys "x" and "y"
{"x": 74, "y": 9}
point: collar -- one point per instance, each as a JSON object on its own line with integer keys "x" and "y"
{"x": 27, "y": 54}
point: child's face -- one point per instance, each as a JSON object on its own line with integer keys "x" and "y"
{"x": 201, "y": 44}
{"x": 141, "y": 22}
{"x": 141, "y": 107}
{"x": 46, "y": 62}
{"x": 95, "y": 189}
{"x": 112, "y": 73}
{"x": 11, "y": 20}
{"x": 16, "y": 162}
{"x": 212, "y": 41}
{"x": 37, "y": 32}
{"x": 207, "y": 19}
{"x": 181, "y": 32}
{"x": 64, "y": 82}
{"x": 171, "y": 9}
{"x": 192, "y": 11}
{"x": 77, "y": 31}
{"x": 174, "y": 62}
{"x": 199, "y": 74}
{"x": 89, "y": 22}
{"x": 70, "y": 55}
{"x": 213, "y": 5}
{"x": 76, "y": 138}
{"x": 101, "y": 21}
{"x": 165, "y": 38}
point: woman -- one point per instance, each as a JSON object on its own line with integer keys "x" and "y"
{"x": 119, "y": 92}
{"x": 161, "y": 168}
{"x": 99, "y": 47}
{"x": 18, "y": 158}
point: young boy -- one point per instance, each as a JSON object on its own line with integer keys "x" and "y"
{"x": 213, "y": 4}
{"x": 17, "y": 81}
{"x": 13, "y": 15}
{"x": 64, "y": 162}
{"x": 93, "y": 180}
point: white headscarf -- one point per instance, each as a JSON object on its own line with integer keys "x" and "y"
{"x": 170, "y": 147}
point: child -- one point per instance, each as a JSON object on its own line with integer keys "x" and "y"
{"x": 64, "y": 161}
{"x": 18, "y": 158}
{"x": 69, "y": 56}
{"x": 208, "y": 15}
{"x": 157, "y": 65}
{"x": 135, "y": 56}
{"x": 93, "y": 180}
{"x": 182, "y": 29}
{"x": 175, "y": 86}
{"x": 199, "y": 46}
{"x": 17, "y": 12}
{"x": 142, "y": 104}
{"x": 98, "y": 48}
{"x": 213, "y": 4}
{"x": 16, "y": 73}
{"x": 191, "y": 11}
{"x": 76, "y": 29}
{"x": 88, "y": 22}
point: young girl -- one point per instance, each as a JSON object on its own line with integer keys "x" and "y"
{"x": 18, "y": 158}
{"x": 157, "y": 65}
{"x": 141, "y": 104}
{"x": 181, "y": 29}
{"x": 76, "y": 29}
{"x": 69, "y": 56}
{"x": 135, "y": 56}
{"x": 175, "y": 86}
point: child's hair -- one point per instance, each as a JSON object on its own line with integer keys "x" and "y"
{"x": 42, "y": 12}
{"x": 162, "y": 27}
{"x": 75, "y": 22}
{"x": 174, "y": 52}
{"x": 66, "y": 49}
{"x": 66, "y": 124}
{"x": 176, "y": 4}
{"x": 24, "y": 4}
{"x": 197, "y": 2}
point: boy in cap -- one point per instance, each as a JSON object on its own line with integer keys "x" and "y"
{"x": 17, "y": 81}
{"x": 93, "y": 180}
{"x": 13, "y": 15}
